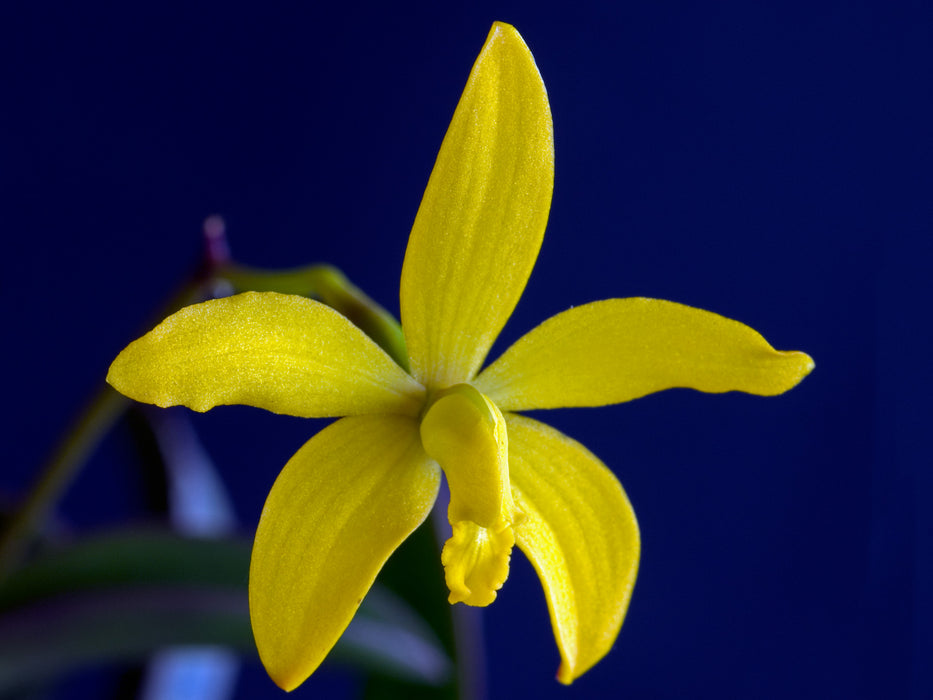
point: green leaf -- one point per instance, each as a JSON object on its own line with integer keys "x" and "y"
{"x": 122, "y": 559}
{"x": 415, "y": 574}
{"x": 120, "y": 597}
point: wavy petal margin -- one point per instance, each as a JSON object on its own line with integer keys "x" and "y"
{"x": 285, "y": 353}
{"x": 620, "y": 349}
{"x": 479, "y": 228}
{"x": 340, "y": 507}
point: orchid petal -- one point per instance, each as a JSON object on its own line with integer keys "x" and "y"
{"x": 479, "y": 228}
{"x": 340, "y": 507}
{"x": 281, "y": 352}
{"x": 581, "y": 536}
{"x": 620, "y": 349}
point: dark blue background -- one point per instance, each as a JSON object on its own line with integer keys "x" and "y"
{"x": 767, "y": 161}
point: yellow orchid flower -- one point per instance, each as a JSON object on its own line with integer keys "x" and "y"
{"x": 357, "y": 489}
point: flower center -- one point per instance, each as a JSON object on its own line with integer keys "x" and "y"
{"x": 465, "y": 433}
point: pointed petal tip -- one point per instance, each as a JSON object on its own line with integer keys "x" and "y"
{"x": 285, "y": 671}
{"x": 116, "y": 370}
{"x": 502, "y": 29}
{"x": 287, "y": 681}
{"x": 809, "y": 364}
{"x": 796, "y": 368}
{"x": 119, "y": 376}
{"x": 111, "y": 378}
{"x": 565, "y": 674}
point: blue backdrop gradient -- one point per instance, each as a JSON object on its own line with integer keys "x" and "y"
{"x": 767, "y": 161}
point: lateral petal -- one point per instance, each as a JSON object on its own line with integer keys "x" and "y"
{"x": 340, "y": 507}
{"x": 620, "y": 349}
{"x": 285, "y": 353}
{"x": 581, "y": 536}
{"x": 479, "y": 228}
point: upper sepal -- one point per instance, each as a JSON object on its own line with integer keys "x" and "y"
{"x": 481, "y": 221}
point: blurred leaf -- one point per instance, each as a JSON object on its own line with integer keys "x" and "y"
{"x": 48, "y": 638}
{"x": 123, "y": 596}
{"x": 414, "y": 573}
{"x": 386, "y": 635}
{"x": 129, "y": 558}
